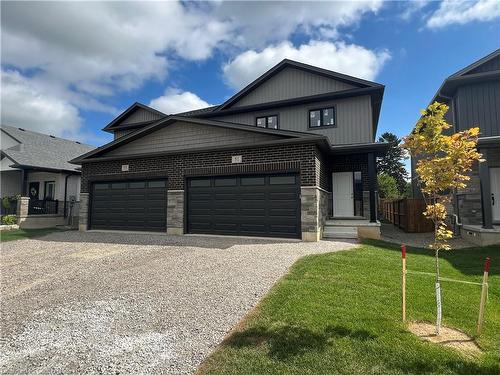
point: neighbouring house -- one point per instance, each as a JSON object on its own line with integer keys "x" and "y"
{"x": 293, "y": 154}
{"x": 35, "y": 167}
{"x": 473, "y": 97}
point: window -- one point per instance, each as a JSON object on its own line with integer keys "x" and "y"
{"x": 118, "y": 185}
{"x": 50, "y": 190}
{"x": 156, "y": 184}
{"x": 282, "y": 180}
{"x": 231, "y": 181}
{"x": 252, "y": 181}
{"x": 322, "y": 117}
{"x": 101, "y": 186}
{"x": 270, "y": 122}
{"x": 199, "y": 183}
{"x": 137, "y": 185}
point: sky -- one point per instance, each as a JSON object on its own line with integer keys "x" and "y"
{"x": 69, "y": 68}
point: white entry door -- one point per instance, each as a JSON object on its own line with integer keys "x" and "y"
{"x": 495, "y": 192}
{"x": 343, "y": 194}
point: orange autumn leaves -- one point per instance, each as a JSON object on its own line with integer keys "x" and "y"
{"x": 443, "y": 164}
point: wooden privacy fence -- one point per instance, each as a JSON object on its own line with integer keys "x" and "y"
{"x": 406, "y": 214}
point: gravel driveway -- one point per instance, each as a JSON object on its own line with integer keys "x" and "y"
{"x": 102, "y": 303}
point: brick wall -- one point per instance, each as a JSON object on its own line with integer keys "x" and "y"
{"x": 263, "y": 159}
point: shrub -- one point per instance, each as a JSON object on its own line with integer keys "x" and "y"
{"x": 9, "y": 219}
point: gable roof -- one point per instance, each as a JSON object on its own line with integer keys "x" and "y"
{"x": 285, "y": 134}
{"x": 358, "y": 82}
{"x": 154, "y": 115}
{"x": 42, "y": 151}
{"x": 470, "y": 74}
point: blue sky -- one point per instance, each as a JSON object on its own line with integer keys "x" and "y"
{"x": 73, "y": 70}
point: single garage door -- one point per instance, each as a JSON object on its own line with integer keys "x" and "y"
{"x": 254, "y": 205}
{"x": 129, "y": 205}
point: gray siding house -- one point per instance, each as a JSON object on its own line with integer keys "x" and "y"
{"x": 35, "y": 166}
{"x": 473, "y": 96}
{"x": 291, "y": 155}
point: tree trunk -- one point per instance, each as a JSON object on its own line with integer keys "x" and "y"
{"x": 438, "y": 296}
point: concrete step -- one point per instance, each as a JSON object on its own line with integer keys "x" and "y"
{"x": 340, "y": 232}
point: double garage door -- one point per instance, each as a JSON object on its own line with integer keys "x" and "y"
{"x": 253, "y": 205}
{"x": 256, "y": 205}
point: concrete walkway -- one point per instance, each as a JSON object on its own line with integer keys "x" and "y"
{"x": 391, "y": 233}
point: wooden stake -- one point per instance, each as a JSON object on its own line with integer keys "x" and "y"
{"x": 484, "y": 293}
{"x": 403, "y": 258}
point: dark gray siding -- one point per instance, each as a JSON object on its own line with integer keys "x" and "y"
{"x": 292, "y": 83}
{"x": 479, "y": 105}
{"x": 138, "y": 116}
{"x": 121, "y": 133}
{"x": 353, "y": 118}
{"x": 493, "y": 64}
{"x": 186, "y": 136}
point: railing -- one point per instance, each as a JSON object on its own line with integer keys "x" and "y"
{"x": 406, "y": 214}
{"x": 8, "y": 206}
{"x": 43, "y": 207}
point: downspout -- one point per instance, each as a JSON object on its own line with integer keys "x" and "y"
{"x": 66, "y": 193}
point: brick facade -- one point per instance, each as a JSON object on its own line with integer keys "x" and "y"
{"x": 177, "y": 167}
{"x": 314, "y": 167}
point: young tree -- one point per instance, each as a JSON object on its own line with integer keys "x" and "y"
{"x": 443, "y": 165}
{"x": 392, "y": 163}
{"x": 387, "y": 186}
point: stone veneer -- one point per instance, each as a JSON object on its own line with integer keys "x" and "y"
{"x": 175, "y": 212}
{"x": 314, "y": 212}
{"x": 84, "y": 212}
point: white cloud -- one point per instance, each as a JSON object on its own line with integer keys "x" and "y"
{"x": 410, "y": 8}
{"x": 81, "y": 55}
{"x": 23, "y": 104}
{"x": 344, "y": 58}
{"x": 176, "y": 101}
{"x": 462, "y": 12}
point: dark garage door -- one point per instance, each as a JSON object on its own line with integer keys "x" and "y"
{"x": 263, "y": 205}
{"x": 129, "y": 205}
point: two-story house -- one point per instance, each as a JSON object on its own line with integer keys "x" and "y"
{"x": 293, "y": 154}
{"x": 473, "y": 97}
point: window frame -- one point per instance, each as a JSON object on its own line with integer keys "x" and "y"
{"x": 267, "y": 121}
{"x": 320, "y": 109}
{"x": 45, "y": 184}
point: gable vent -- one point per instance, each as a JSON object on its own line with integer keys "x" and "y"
{"x": 51, "y": 136}
{"x": 22, "y": 129}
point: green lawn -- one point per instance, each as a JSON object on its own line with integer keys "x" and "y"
{"x": 20, "y": 234}
{"x": 340, "y": 313}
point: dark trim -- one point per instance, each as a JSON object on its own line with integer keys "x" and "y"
{"x": 380, "y": 148}
{"x": 489, "y": 142}
{"x": 267, "y": 121}
{"x": 372, "y": 181}
{"x": 476, "y": 64}
{"x": 375, "y": 92}
{"x": 485, "y": 188}
{"x": 172, "y": 119}
{"x": 244, "y": 169}
{"x": 294, "y": 64}
{"x": 333, "y": 107}
{"x": 127, "y": 176}
{"x": 131, "y": 127}
{"x": 108, "y": 127}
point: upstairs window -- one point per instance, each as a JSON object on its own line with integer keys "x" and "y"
{"x": 270, "y": 122}
{"x": 322, "y": 117}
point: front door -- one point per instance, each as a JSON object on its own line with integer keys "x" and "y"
{"x": 34, "y": 190}
{"x": 343, "y": 194}
{"x": 495, "y": 193}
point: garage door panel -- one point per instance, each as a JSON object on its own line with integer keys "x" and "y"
{"x": 245, "y": 205}
{"x": 129, "y": 205}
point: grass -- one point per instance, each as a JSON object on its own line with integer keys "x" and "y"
{"x": 340, "y": 313}
{"x": 20, "y": 234}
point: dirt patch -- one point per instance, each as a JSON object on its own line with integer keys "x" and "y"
{"x": 448, "y": 337}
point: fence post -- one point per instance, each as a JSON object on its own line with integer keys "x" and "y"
{"x": 403, "y": 259}
{"x": 484, "y": 293}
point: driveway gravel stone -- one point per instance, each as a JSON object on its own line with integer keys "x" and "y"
{"x": 115, "y": 303}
